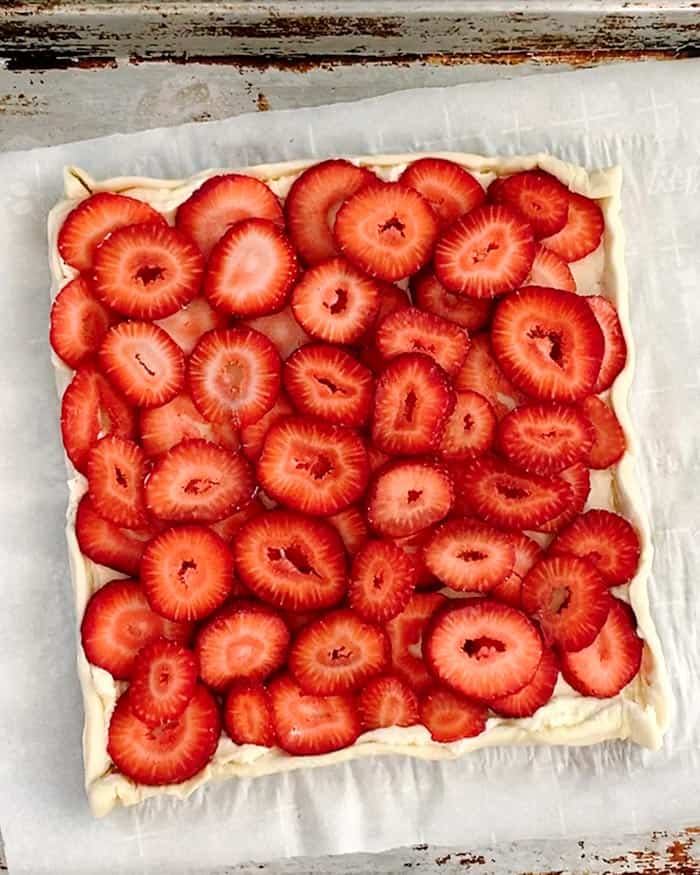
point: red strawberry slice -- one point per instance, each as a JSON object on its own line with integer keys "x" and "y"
{"x": 118, "y": 622}
{"x": 412, "y": 402}
{"x": 538, "y": 196}
{"x": 163, "y": 427}
{"x": 253, "y": 436}
{"x": 382, "y": 581}
{"x": 291, "y": 561}
{"x": 449, "y": 189}
{"x": 296, "y": 621}
{"x": 569, "y": 598}
{"x": 615, "y": 352}
{"x": 550, "y": 271}
{"x": 480, "y": 373}
{"x": 248, "y": 714}
{"x": 313, "y": 202}
{"x": 485, "y": 253}
{"x": 325, "y": 381}
{"x": 483, "y": 649}
{"x": 246, "y": 641}
{"x": 352, "y": 527}
{"x": 391, "y": 299}
{"x": 387, "y": 701}
{"x": 169, "y": 753}
{"x": 579, "y": 479}
{"x": 449, "y": 716}
{"x": 412, "y": 545}
{"x": 116, "y": 469}
{"x": 251, "y": 269}
{"x": 306, "y": 724}
{"x": 582, "y": 232}
{"x": 197, "y": 481}
{"x": 221, "y": 202}
{"x": 606, "y": 540}
{"x": 78, "y": 322}
{"x": 143, "y": 362}
{"x": 545, "y": 438}
{"x": 90, "y": 409}
{"x": 228, "y": 527}
{"x": 337, "y": 653}
{"x": 93, "y": 219}
{"x": 406, "y": 636}
{"x": 234, "y": 375}
{"x": 533, "y": 695}
{"x": 107, "y": 544}
{"x": 163, "y": 681}
{"x": 187, "y": 325}
{"x": 412, "y": 330}
{"x": 186, "y": 573}
{"x": 526, "y": 553}
{"x": 609, "y": 442}
{"x": 548, "y": 343}
{"x": 376, "y": 458}
{"x": 469, "y": 556}
{"x": 386, "y": 229}
{"x": 312, "y": 466}
{"x": 431, "y": 296}
{"x": 282, "y": 329}
{"x": 408, "y": 496}
{"x": 471, "y": 428}
{"x": 608, "y": 664}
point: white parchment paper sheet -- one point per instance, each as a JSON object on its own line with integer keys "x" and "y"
{"x": 644, "y": 117}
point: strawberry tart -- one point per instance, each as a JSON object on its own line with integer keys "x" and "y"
{"x": 351, "y": 469}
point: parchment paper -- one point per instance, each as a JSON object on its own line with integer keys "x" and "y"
{"x": 644, "y": 117}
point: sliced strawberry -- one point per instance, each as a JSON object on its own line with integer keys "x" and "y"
{"x": 533, "y": 695}
{"x": 412, "y": 402}
{"x": 483, "y": 649}
{"x": 312, "y": 466}
{"x": 297, "y": 620}
{"x": 163, "y": 427}
{"x": 118, "y": 622}
{"x": 326, "y": 381}
{"x": 169, "y": 753}
{"x": 458, "y": 472}
{"x": 163, "y": 681}
{"x": 78, "y": 322}
{"x": 93, "y": 219}
{"x": 545, "y": 438}
{"x": 116, "y": 469}
{"x": 245, "y": 641}
{"x": 337, "y": 653}
{"x": 387, "y": 701}
{"x": 538, "y": 196}
{"x": 469, "y": 556}
{"x": 615, "y": 352}
{"x": 485, "y": 253}
{"x": 406, "y": 636}
{"x": 197, "y": 481}
{"x": 222, "y": 201}
{"x": 582, "y": 232}
{"x": 608, "y": 664}
{"x": 382, "y": 581}
{"x": 471, "y": 428}
{"x": 90, "y": 409}
{"x": 606, "y": 540}
{"x": 291, "y": 561}
{"x": 391, "y": 299}
{"x": 480, "y": 373}
{"x": 408, "y": 496}
{"x": 352, "y": 528}
{"x": 234, "y": 375}
{"x": 253, "y": 436}
{"x": 526, "y": 553}
{"x": 510, "y": 499}
{"x": 106, "y": 543}
{"x": 282, "y": 329}
{"x": 569, "y": 598}
{"x": 449, "y": 189}
{"x": 550, "y": 271}
{"x": 609, "y": 442}
{"x": 412, "y": 545}
{"x": 412, "y": 330}
{"x": 548, "y": 343}
{"x": 579, "y": 479}
{"x": 307, "y": 724}
{"x": 431, "y": 296}
{"x": 228, "y": 527}
{"x": 248, "y": 714}
{"x": 313, "y": 202}
{"x": 190, "y": 322}
{"x": 376, "y": 458}
{"x": 450, "y": 717}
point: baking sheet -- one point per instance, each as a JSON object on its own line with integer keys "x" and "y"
{"x": 644, "y": 117}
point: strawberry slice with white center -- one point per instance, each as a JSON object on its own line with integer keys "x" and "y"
{"x": 118, "y": 622}
{"x": 471, "y": 428}
{"x": 282, "y": 329}
{"x": 116, "y": 469}
{"x": 483, "y": 649}
{"x": 382, "y": 581}
{"x": 615, "y": 352}
{"x": 337, "y": 653}
{"x": 228, "y": 527}
{"x": 432, "y": 297}
{"x": 312, "y": 466}
{"x": 406, "y": 637}
{"x": 253, "y": 436}
{"x": 548, "y": 343}
{"x": 449, "y": 716}
{"x": 412, "y": 330}
{"x": 171, "y": 752}
{"x": 291, "y": 561}
{"x": 93, "y": 219}
{"x": 582, "y": 232}
{"x": 188, "y": 324}
{"x": 606, "y": 540}
{"x": 538, "y": 196}
{"x": 480, "y": 373}
{"x": 449, "y": 189}
{"x": 106, "y": 543}
{"x": 550, "y": 271}
{"x": 533, "y": 695}
{"x": 234, "y": 375}
{"x": 79, "y": 322}
{"x": 387, "y": 701}
{"x": 163, "y": 427}
{"x": 387, "y": 230}
{"x": 469, "y": 556}
{"x": 526, "y": 552}
{"x": 609, "y": 441}
{"x": 485, "y": 253}
{"x": 579, "y": 479}
{"x": 408, "y": 496}
{"x": 251, "y": 269}
{"x": 247, "y": 641}
{"x": 352, "y": 528}
{"x": 248, "y": 714}
{"x": 613, "y": 659}
{"x": 308, "y": 725}
{"x": 313, "y": 202}
{"x": 163, "y": 681}
{"x": 325, "y": 381}
{"x": 197, "y": 481}
{"x": 221, "y": 202}
{"x": 569, "y": 598}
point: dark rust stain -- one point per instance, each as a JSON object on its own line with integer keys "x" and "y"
{"x": 440, "y": 861}
{"x": 262, "y": 103}
{"x": 467, "y": 859}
